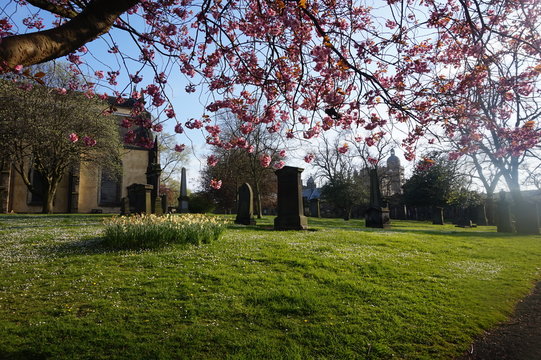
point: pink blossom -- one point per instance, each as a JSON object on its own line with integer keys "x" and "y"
{"x": 343, "y": 149}
{"x": 89, "y": 141}
{"x": 282, "y": 153}
{"x": 309, "y": 158}
{"x": 251, "y": 149}
{"x": 73, "y": 137}
{"x": 180, "y": 148}
{"x": 157, "y": 127}
{"x": 18, "y": 68}
{"x": 212, "y": 160}
{"x": 179, "y": 129}
{"x": 215, "y": 184}
{"x": 279, "y": 164}
{"x": 372, "y": 160}
{"x": 62, "y": 91}
{"x": 265, "y": 160}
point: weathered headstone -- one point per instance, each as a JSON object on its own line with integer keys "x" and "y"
{"x": 290, "y": 208}
{"x": 153, "y": 177}
{"x": 527, "y": 218}
{"x": 503, "y": 221}
{"x": 245, "y": 209}
{"x": 140, "y": 198}
{"x": 377, "y": 215}
{"x": 183, "y": 198}
{"x": 315, "y": 208}
{"x": 165, "y": 204}
{"x": 125, "y": 206}
{"x": 437, "y": 215}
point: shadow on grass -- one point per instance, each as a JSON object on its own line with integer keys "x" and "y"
{"x": 98, "y": 246}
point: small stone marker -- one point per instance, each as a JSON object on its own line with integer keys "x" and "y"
{"x": 504, "y": 223}
{"x": 377, "y": 215}
{"x": 290, "y": 208}
{"x": 245, "y": 210}
{"x": 183, "y": 198}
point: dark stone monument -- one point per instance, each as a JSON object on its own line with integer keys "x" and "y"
{"x": 183, "y": 198}
{"x": 437, "y": 215}
{"x": 377, "y": 215}
{"x": 153, "y": 173}
{"x": 503, "y": 221}
{"x": 290, "y": 208}
{"x": 140, "y": 198}
{"x": 245, "y": 210}
{"x": 125, "y": 206}
{"x": 314, "y": 208}
{"x": 527, "y": 220}
{"x": 165, "y": 204}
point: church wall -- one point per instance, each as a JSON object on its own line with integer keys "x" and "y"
{"x": 20, "y": 196}
{"x": 88, "y": 188}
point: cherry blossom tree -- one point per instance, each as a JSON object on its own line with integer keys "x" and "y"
{"x": 50, "y": 133}
{"x": 313, "y": 65}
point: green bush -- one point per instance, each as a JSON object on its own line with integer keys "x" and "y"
{"x": 201, "y": 203}
{"x": 151, "y": 231}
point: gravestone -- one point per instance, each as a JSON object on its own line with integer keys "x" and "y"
{"x": 183, "y": 198}
{"x": 437, "y": 215}
{"x": 245, "y": 210}
{"x": 125, "y": 206}
{"x": 315, "y": 210}
{"x": 527, "y": 218}
{"x": 153, "y": 178}
{"x": 377, "y": 215}
{"x": 290, "y": 208}
{"x": 503, "y": 220}
{"x": 165, "y": 204}
{"x": 140, "y": 198}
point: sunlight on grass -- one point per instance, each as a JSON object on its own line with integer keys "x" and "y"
{"x": 342, "y": 291}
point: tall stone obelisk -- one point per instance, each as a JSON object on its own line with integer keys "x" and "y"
{"x": 183, "y": 198}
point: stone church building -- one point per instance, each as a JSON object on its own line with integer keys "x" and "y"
{"x": 87, "y": 189}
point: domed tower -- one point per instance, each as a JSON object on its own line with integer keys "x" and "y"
{"x": 395, "y": 173}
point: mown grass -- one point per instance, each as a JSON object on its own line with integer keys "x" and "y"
{"x": 416, "y": 291}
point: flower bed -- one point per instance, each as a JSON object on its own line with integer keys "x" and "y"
{"x": 151, "y": 231}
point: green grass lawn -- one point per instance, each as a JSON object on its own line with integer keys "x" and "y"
{"x": 415, "y": 291}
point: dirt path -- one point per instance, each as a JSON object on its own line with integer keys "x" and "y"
{"x": 517, "y": 339}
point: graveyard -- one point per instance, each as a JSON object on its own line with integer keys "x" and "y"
{"x": 336, "y": 290}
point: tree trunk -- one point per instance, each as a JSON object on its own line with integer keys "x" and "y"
{"x": 49, "y": 196}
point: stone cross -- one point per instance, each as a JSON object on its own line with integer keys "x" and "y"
{"x": 290, "y": 207}
{"x": 183, "y": 198}
{"x": 245, "y": 210}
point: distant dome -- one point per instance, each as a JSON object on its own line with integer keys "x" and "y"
{"x": 393, "y": 160}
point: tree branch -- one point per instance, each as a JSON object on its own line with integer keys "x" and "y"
{"x": 42, "y": 46}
